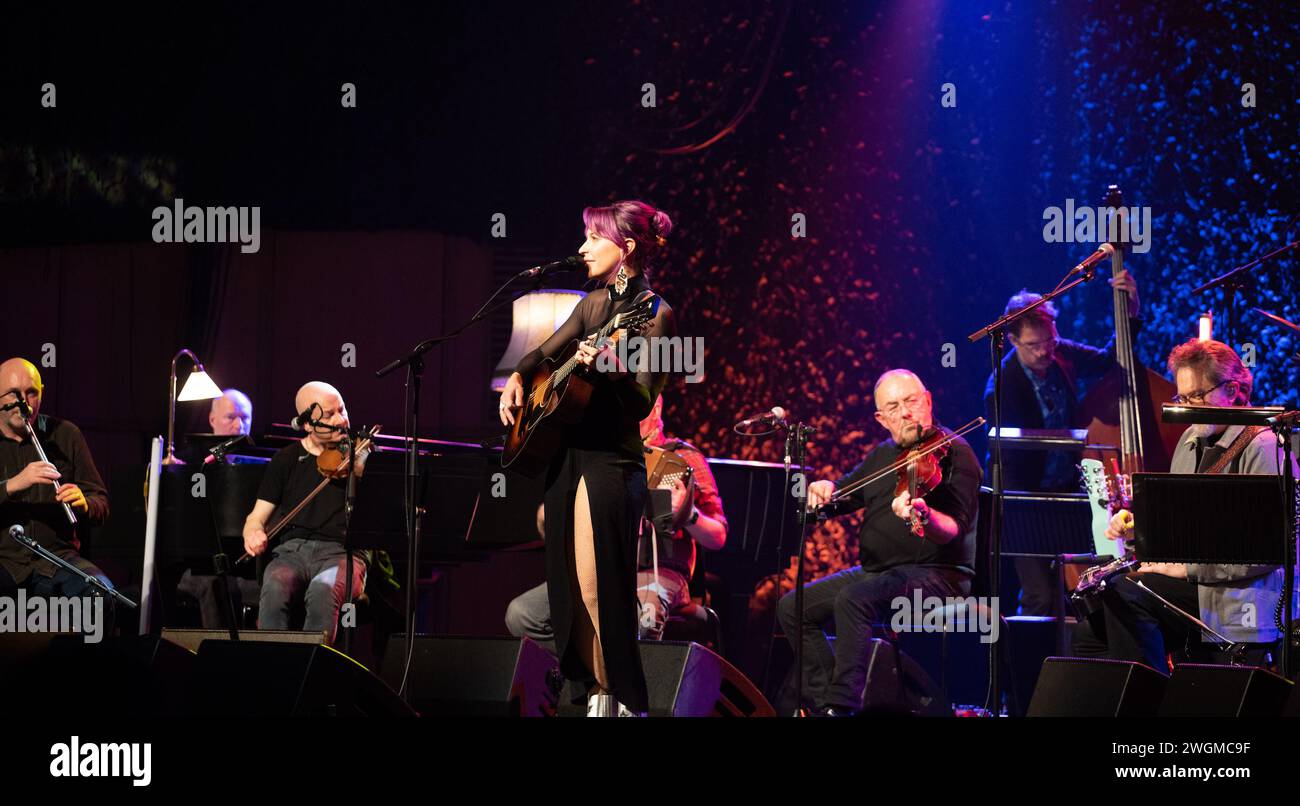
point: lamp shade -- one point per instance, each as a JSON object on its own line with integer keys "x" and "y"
{"x": 198, "y": 387}
{"x": 536, "y": 316}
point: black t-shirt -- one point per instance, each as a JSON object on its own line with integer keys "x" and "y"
{"x": 886, "y": 540}
{"x": 289, "y": 478}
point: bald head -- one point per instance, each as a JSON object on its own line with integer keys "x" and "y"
{"x": 231, "y": 414}
{"x": 328, "y": 408}
{"x": 903, "y": 406}
{"x": 19, "y": 378}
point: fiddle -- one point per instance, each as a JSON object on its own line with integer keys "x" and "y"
{"x": 333, "y": 462}
{"x": 916, "y": 472}
{"x": 921, "y": 473}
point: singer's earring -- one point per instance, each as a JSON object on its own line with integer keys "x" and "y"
{"x": 620, "y": 279}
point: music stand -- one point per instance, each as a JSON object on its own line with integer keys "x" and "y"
{"x": 1183, "y": 518}
{"x": 1055, "y": 526}
{"x": 1284, "y": 424}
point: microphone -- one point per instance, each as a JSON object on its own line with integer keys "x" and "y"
{"x": 17, "y": 532}
{"x": 303, "y": 419}
{"x": 217, "y": 453}
{"x": 774, "y": 418}
{"x": 1103, "y": 252}
{"x": 567, "y": 264}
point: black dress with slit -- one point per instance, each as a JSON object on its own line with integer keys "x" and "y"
{"x": 604, "y": 448}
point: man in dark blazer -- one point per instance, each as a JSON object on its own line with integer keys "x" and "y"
{"x": 1043, "y": 378}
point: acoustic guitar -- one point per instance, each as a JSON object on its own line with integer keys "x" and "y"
{"x": 558, "y": 391}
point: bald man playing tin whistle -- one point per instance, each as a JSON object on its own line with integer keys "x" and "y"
{"x": 27, "y": 490}
{"x": 308, "y": 564}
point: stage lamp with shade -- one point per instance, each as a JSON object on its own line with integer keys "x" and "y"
{"x": 536, "y": 316}
{"x": 198, "y": 386}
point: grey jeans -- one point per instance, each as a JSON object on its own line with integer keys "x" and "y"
{"x": 529, "y": 613}
{"x": 310, "y": 571}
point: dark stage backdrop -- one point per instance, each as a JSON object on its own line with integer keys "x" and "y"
{"x": 265, "y": 323}
{"x": 921, "y": 219}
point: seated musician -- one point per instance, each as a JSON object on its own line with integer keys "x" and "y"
{"x": 696, "y": 517}
{"x": 893, "y": 561}
{"x": 1041, "y": 379}
{"x": 1237, "y": 601}
{"x": 27, "y": 495}
{"x": 308, "y": 564}
{"x": 231, "y": 415}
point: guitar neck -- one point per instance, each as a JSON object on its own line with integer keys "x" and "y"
{"x": 567, "y": 367}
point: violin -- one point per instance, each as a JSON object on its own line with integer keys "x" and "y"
{"x": 921, "y": 473}
{"x": 333, "y": 462}
{"x": 917, "y": 472}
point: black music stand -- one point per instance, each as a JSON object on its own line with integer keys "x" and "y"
{"x": 1055, "y": 526}
{"x": 1284, "y": 425}
{"x": 1183, "y": 518}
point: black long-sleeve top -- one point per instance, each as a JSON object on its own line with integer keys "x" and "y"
{"x": 618, "y": 404}
{"x": 886, "y": 540}
{"x": 35, "y": 508}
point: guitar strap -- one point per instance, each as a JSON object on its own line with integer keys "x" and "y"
{"x": 1234, "y": 450}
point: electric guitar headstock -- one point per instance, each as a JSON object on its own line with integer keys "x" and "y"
{"x": 1108, "y": 493}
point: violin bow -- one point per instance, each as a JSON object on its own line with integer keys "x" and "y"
{"x": 893, "y": 468}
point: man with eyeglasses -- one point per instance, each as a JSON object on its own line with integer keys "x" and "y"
{"x": 892, "y": 561}
{"x": 1236, "y": 600}
{"x": 1043, "y": 378}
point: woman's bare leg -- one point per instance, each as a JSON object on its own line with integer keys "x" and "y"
{"x": 586, "y": 633}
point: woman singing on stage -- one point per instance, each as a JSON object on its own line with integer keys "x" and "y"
{"x": 596, "y": 486}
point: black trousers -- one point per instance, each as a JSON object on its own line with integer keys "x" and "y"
{"x": 849, "y": 602}
{"x": 1133, "y": 625}
{"x": 64, "y": 583}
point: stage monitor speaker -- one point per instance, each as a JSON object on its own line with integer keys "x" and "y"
{"x": 132, "y": 676}
{"x": 686, "y": 679}
{"x": 1096, "y": 687}
{"x": 265, "y": 678}
{"x": 190, "y": 639}
{"x": 464, "y": 676}
{"x": 898, "y": 686}
{"x": 1207, "y": 691}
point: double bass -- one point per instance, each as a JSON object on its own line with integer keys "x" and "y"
{"x": 1123, "y": 408}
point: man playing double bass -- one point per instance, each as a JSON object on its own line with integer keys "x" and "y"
{"x": 1042, "y": 379}
{"x": 893, "y": 561}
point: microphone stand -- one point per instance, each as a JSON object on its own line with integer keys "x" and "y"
{"x": 348, "y": 502}
{"x": 997, "y": 332}
{"x": 780, "y": 548}
{"x": 221, "y": 562}
{"x": 1284, "y": 427}
{"x": 414, "y": 363}
{"x": 1236, "y": 280}
{"x": 17, "y": 533}
{"x": 801, "y": 433}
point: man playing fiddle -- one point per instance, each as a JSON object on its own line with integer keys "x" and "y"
{"x": 308, "y": 564}
{"x": 893, "y": 560}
